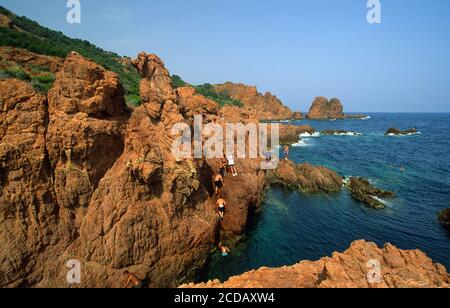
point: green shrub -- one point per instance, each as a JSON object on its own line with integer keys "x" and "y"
{"x": 133, "y": 100}
{"x": 222, "y": 98}
{"x": 43, "y": 83}
{"x": 177, "y": 82}
{"x": 15, "y": 72}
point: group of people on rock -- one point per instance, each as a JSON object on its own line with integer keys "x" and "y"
{"x": 225, "y": 165}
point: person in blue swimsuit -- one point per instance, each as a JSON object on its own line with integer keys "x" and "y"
{"x": 224, "y": 250}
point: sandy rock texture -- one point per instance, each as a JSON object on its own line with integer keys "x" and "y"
{"x": 398, "y": 269}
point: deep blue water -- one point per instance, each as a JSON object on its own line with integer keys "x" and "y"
{"x": 294, "y": 227}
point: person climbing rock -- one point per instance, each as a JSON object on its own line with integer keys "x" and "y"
{"x": 222, "y": 168}
{"x": 221, "y": 204}
{"x": 218, "y": 183}
{"x": 132, "y": 281}
{"x": 286, "y": 152}
{"x": 224, "y": 251}
{"x": 232, "y": 165}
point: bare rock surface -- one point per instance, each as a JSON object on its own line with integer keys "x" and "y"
{"x": 323, "y": 109}
{"x": 399, "y": 269}
{"x": 305, "y": 178}
{"x": 363, "y": 191}
{"x": 261, "y": 106}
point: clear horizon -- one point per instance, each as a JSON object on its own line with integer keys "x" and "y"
{"x": 296, "y": 50}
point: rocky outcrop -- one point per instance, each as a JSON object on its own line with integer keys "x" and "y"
{"x": 257, "y": 105}
{"x": 87, "y": 114}
{"x": 6, "y": 22}
{"x": 363, "y": 191}
{"x": 338, "y": 132}
{"x": 351, "y": 269}
{"x": 82, "y": 177}
{"x": 298, "y": 116}
{"x": 192, "y": 104}
{"x": 398, "y": 132}
{"x": 444, "y": 218}
{"x": 305, "y": 178}
{"x": 323, "y": 109}
{"x": 290, "y": 134}
{"x": 29, "y": 61}
{"x": 29, "y": 214}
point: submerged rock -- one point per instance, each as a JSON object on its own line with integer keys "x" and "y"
{"x": 444, "y": 218}
{"x": 399, "y": 269}
{"x": 397, "y": 132}
{"x": 363, "y": 191}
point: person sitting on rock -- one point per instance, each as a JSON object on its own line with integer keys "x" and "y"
{"x": 221, "y": 204}
{"x": 218, "y": 183}
{"x": 224, "y": 250}
{"x": 232, "y": 166}
{"x": 132, "y": 281}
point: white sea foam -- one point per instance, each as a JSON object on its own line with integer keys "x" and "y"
{"x": 404, "y": 135}
{"x": 308, "y": 135}
{"x": 384, "y": 202}
{"x": 346, "y": 134}
{"x": 301, "y": 143}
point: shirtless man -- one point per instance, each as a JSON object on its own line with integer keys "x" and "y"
{"x": 218, "y": 183}
{"x": 132, "y": 281}
{"x": 221, "y": 204}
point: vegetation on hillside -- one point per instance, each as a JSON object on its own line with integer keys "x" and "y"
{"x": 44, "y": 41}
{"x": 208, "y": 90}
{"x": 41, "y": 40}
{"x": 41, "y": 79}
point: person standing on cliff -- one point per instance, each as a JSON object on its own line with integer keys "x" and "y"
{"x": 218, "y": 183}
{"x": 221, "y": 204}
{"x": 232, "y": 166}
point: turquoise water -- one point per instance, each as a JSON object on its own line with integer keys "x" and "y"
{"x": 294, "y": 227}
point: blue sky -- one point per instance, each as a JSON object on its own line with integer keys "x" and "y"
{"x": 295, "y": 49}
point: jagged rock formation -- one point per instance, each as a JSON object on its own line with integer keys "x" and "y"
{"x": 323, "y": 108}
{"x": 363, "y": 191}
{"x": 83, "y": 177}
{"x": 28, "y": 212}
{"x": 192, "y": 104}
{"x": 298, "y": 115}
{"x": 290, "y": 134}
{"x": 398, "y": 132}
{"x": 444, "y": 218}
{"x": 399, "y": 269}
{"x": 305, "y": 178}
{"x": 338, "y": 132}
{"x": 258, "y": 106}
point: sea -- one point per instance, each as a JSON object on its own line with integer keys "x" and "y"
{"x": 292, "y": 226}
